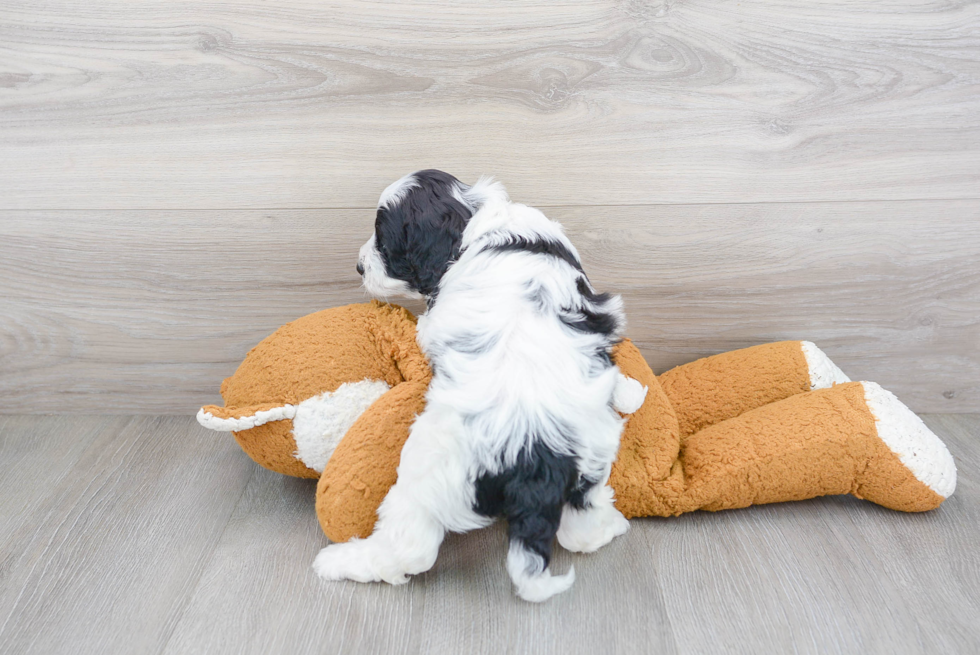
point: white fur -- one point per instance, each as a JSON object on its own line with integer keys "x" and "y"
{"x": 628, "y": 396}
{"x": 211, "y": 422}
{"x": 322, "y": 421}
{"x": 823, "y": 372}
{"x": 531, "y": 365}
{"x": 507, "y": 372}
{"x": 431, "y": 495}
{"x": 485, "y": 189}
{"x": 918, "y": 448}
{"x": 532, "y": 582}
{"x": 395, "y": 191}
{"x": 588, "y": 530}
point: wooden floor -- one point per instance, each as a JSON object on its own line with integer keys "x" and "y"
{"x": 152, "y": 535}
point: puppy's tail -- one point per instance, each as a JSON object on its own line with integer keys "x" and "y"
{"x": 529, "y": 571}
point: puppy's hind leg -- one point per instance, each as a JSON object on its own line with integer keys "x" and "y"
{"x": 591, "y": 520}
{"x": 405, "y": 542}
{"x": 429, "y": 497}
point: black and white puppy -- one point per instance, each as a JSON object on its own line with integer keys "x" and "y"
{"x": 521, "y": 417}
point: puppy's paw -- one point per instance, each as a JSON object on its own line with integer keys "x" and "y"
{"x": 349, "y": 561}
{"x": 618, "y": 526}
{"x": 586, "y": 531}
{"x": 360, "y": 560}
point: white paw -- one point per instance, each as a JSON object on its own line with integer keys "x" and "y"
{"x": 586, "y": 531}
{"x": 349, "y": 561}
{"x": 628, "y": 396}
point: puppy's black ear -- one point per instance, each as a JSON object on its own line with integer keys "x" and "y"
{"x": 419, "y": 235}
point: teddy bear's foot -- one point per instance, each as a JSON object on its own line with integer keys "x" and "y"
{"x": 823, "y": 372}
{"x": 919, "y": 450}
{"x": 587, "y": 530}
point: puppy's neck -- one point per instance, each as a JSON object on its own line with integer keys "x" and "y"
{"x": 500, "y": 221}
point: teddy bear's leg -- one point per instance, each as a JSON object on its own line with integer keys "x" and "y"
{"x": 365, "y": 463}
{"x": 919, "y": 450}
{"x": 713, "y": 389}
{"x": 852, "y": 438}
{"x": 595, "y": 524}
{"x": 428, "y": 498}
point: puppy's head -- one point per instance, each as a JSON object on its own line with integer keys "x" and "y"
{"x": 417, "y": 235}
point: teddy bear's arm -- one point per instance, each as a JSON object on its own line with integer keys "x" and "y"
{"x": 723, "y": 386}
{"x": 650, "y": 441}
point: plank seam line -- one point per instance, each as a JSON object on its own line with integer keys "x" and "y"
{"x": 546, "y": 206}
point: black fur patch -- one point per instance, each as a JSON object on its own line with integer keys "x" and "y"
{"x": 531, "y": 495}
{"x": 577, "y": 498}
{"x": 419, "y": 236}
{"x": 539, "y": 247}
{"x": 595, "y": 298}
{"x": 587, "y": 320}
{"x": 583, "y": 318}
{"x": 588, "y": 316}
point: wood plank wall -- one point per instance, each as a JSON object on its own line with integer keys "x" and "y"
{"x": 178, "y": 179}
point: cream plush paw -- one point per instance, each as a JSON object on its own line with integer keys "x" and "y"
{"x": 628, "y": 396}
{"x": 823, "y": 372}
{"x": 917, "y": 447}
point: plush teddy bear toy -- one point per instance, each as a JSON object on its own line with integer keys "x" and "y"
{"x": 332, "y": 395}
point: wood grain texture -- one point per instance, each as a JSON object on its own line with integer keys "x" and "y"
{"x": 158, "y": 104}
{"x": 161, "y": 539}
{"x": 796, "y": 577}
{"x": 465, "y": 604}
{"x": 118, "y": 517}
{"x": 38, "y": 461}
{"x": 147, "y": 311}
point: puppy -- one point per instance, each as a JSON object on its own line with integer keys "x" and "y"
{"x": 521, "y": 417}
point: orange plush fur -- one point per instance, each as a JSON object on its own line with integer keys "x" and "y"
{"x": 732, "y": 430}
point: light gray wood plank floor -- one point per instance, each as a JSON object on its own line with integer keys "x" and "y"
{"x": 151, "y": 535}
